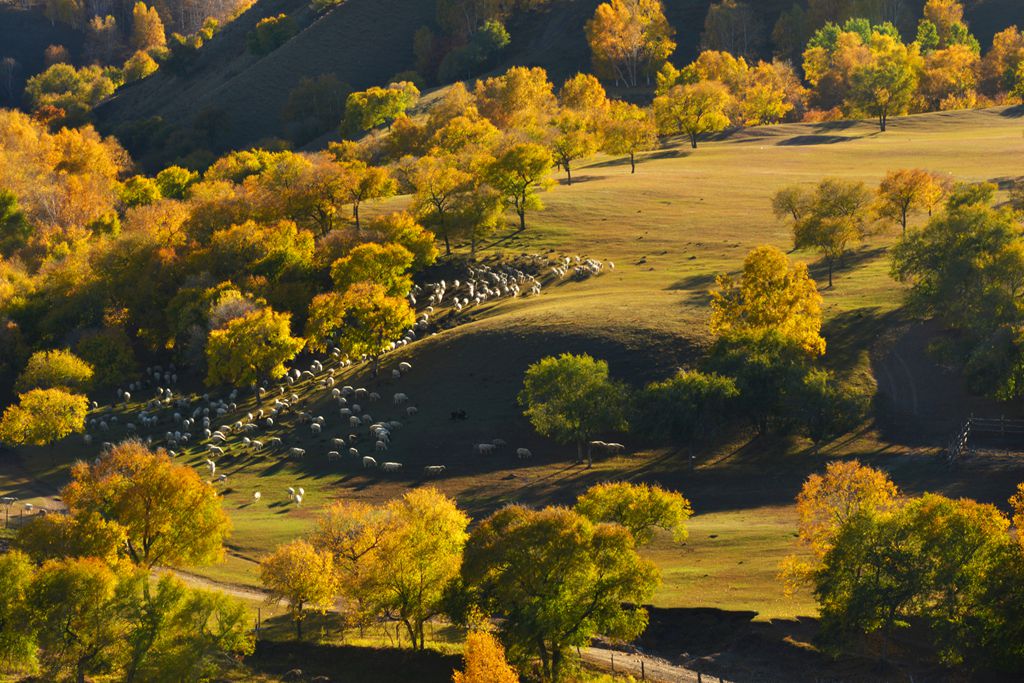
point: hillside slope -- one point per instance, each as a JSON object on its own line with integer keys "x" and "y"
{"x": 362, "y": 42}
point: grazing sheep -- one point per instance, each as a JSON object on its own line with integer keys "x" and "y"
{"x": 380, "y": 446}
{"x": 499, "y": 443}
{"x": 404, "y": 367}
{"x": 297, "y": 452}
{"x": 369, "y": 462}
{"x": 411, "y": 410}
{"x": 614, "y": 448}
{"x": 374, "y": 396}
{"x": 315, "y": 428}
{"x": 354, "y": 452}
{"x": 400, "y": 398}
{"x": 484, "y": 448}
{"x": 390, "y": 466}
{"x": 333, "y": 455}
{"x": 216, "y": 449}
{"x": 298, "y": 500}
{"x": 274, "y": 442}
{"x": 523, "y": 453}
{"x": 431, "y": 470}
{"x": 395, "y": 374}
{"x": 338, "y": 442}
{"x": 256, "y": 497}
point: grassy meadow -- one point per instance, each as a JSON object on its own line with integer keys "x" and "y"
{"x": 682, "y": 218}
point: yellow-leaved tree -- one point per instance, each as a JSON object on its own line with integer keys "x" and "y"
{"x": 42, "y": 417}
{"x": 169, "y": 516}
{"x": 250, "y": 348}
{"x": 302, "y": 576}
{"x": 770, "y": 294}
{"x": 630, "y": 39}
{"x": 485, "y": 661}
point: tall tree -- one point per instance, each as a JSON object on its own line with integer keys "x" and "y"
{"x": 907, "y": 191}
{"x": 147, "y": 28}
{"x": 439, "y": 185}
{"x": 885, "y": 86}
{"x": 250, "y": 348}
{"x": 693, "y": 110}
{"x": 571, "y": 398}
{"x": 519, "y": 172}
{"x": 771, "y": 294}
{"x": 301, "y": 575}
{"x": 381, "y": 264}
{"x": 42, "y": 417}
{"x": 554, "y": 580}
{"x": 629, "y": 129}
{"x": 573, "y": 137}
{"x": 835, "y": 216}
{"x": 169, "y": 515}
{"x": 364, "y": 183}
{"x": 365, "y": 319}
{"x": 630, "y": 39}
{"x": 690, "y": 408}
{"x": 484, "y": 661}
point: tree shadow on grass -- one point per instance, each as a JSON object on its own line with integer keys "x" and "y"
{"x": 850, "y": 261}
{"x": 697, "y": 287}
{"x": 1013, "y": 112}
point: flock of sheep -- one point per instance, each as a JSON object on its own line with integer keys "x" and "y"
{"x": 210, "y": 426}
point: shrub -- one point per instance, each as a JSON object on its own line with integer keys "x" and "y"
{"x": 270, "y": 33}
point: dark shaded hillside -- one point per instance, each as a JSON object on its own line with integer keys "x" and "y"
{"x": 362, "y": 42}
{"x": 24, "y": 36}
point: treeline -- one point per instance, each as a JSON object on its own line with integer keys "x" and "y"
{"x": 549, "y": 580}
{"x": 889, "y": 570}
{"x": 77, "y": 599}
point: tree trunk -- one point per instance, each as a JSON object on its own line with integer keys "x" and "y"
{"x": 568, "y": 172}
{"x": 298, "y": 629}
{"x": 556, "y": 664}
{"x": 632, "y": 163}
{"x": 693, "y": 140}
{"x": 447, "y": 245}
{"x": 522, "y": 220}
{"x": 355, "y": 214}
{"x": 829, "y": 273}
{"x": 881, "y": 122}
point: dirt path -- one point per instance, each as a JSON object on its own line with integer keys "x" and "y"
{"x": 653, "y": 669}
{"x": 640, "y": 666}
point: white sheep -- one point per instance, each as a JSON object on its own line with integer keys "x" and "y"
{"x": 400, "y": 398}
{"x": 298, "y": 500}
{"x": 315, "y": 428}
{"x": 380, "y": 446}
{"x": 369, "y": 462}
{"x": 390, "y": 466}
{"x": 333, "y": 455}
{"x": 484, "y": 448}
{"x": 433, "y": 469}
{"x": 404, "y": 367}
{"x": 297, "y": 452}
{"x": 523, "y": 453}
{"x": 256, "y": 496}
{"x": 354, "y": 452}
{"x": 411, "y": 410}
{"x": 338, "y": 441}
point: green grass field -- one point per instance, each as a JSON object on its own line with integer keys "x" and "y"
{"x": 684, "y": 217}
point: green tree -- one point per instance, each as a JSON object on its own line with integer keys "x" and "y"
{"x": 75, "y": 617}
{"x": 386, "y": 265}
{"x": 138, "y": 191}
{"x": 834, "y": 216}
{"x": 885, "y": 86}
{"x": 828, "y": 407}
{"x": 365, "y": 319}
{"x": 768, "y": 368}
{"x": 17, "y": 643}
{"x": 374, "y": 107}
{"x": 301, "y": 575}
{"x": 771, "y": 294}
{"x": 15, "y": 228}
{"x": 251, "y": 347}
{"x": 690, "y": 408}
{"x": 570, "y": 398}
{"x": 693, "y": 110}
{"x": 401, "y": 227}
{"x": 640, "y": 508}
{"x": 42, "y": 417}
{"x": 57, "y": 369}
{"x": 439, "y": 185}
{"x": 519, "y": 173}
{"x": 174, "y": 182}
{"x": 554, "y": 580}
